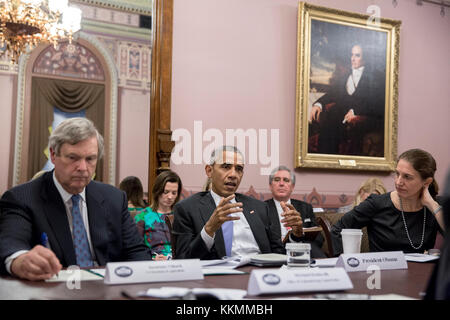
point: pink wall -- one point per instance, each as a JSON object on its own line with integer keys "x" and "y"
{"x": 133, "y": 135}
{"x": 7, "y": 97}
{"x": 133, "y": 132}
{"x": 234, "y": 66}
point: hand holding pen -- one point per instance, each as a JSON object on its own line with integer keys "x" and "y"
{"x": 39, "y": 263}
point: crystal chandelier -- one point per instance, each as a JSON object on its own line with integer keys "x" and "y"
{"x": 26, "y": 23}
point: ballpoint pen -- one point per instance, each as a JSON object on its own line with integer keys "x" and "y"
{"x": 96, "y": 273}
{"x": 44, "y": 240}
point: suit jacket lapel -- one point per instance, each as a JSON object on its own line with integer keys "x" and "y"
{"x": 207, "y": 207}
{"x": 362, "y": 84}
{"x": 61, "y": 238}
{"x": 273, "y": 214}
{"x": 98, "y": 223}
{"x": 308, "y": 220}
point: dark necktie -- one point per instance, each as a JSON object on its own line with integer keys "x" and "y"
{"x": 80, "y": 241}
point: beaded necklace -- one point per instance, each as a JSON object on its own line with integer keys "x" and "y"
{"x": 406, "y": 228}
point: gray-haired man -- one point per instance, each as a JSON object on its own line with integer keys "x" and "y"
{"x": 282, "y": 183}
{"x": 63, "y": 218}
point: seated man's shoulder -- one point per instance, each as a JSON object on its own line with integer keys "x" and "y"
{"x": 103, "y": 188}
{"x": 293, "y": 202}
{"x": 193, "y": 199}
{"x": 29, "y": 185}
{"x": 242, "y": 197}
{"x": 300, "y": 203}
{"x": 30, "y": 188}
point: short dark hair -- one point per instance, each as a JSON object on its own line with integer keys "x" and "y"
{"x": 424, "y": 163}
{"x": 160, "y": 184}
{"x": 216, "y": 153}
{"x": 133, "y": 188}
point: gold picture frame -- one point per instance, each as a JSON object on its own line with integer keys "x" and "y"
{"x": 349, "y": 63}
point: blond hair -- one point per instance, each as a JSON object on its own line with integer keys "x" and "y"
{"x": 38, "y": 174}
{"x": 371, "y": 185}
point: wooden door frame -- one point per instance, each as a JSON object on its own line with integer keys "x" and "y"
{"x": 160, "y": 144}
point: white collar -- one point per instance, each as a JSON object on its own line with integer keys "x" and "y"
{"x": 64, "y": 194}
{"x": 358, "y": 70}
{"x": 217, "y": 198}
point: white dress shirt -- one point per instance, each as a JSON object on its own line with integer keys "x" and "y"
{"x": 244, "y": 242}
{"x": 353, "y": 80}
{"x": 67, "y": 199}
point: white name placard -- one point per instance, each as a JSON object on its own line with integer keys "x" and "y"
{"x": 386, "y": 260}
{"x": 265, "y": 281}
{"x": 153, "y": 271}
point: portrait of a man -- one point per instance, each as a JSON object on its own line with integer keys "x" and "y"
{"x": 347, "y": 90}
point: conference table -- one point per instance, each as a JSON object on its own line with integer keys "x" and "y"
{"x": 409, "y": 282}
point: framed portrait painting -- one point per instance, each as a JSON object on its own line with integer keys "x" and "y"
{"x": 347, "y": 73}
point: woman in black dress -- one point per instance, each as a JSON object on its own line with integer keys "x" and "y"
{"x": 406, "y": 219}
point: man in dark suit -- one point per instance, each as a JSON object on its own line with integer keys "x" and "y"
{"x": 282, "y": 183}
{"x": 352, "y": 108}
{"x": 63, "y": 218}
{"x": 438, "y": 287}
{"x": 221, "y": 222}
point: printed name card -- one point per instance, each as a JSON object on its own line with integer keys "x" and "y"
{"x": 265, "y": 281}
{"x": 153, "y": 271}
{"x": 386, "y": 260}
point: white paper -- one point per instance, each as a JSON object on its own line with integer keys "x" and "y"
{"x": 225, "y": 262}
{"x": 177, "y": 292}
{"x": 269, "y": 257}
{"x": 210, "y": 263}
{"x": 219, "y": 271}
{"x": 228, "y": 262}
{"x": 165, "y": 292}
{"x": 75, "y": 275}
{"x": 420, "y": 257}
